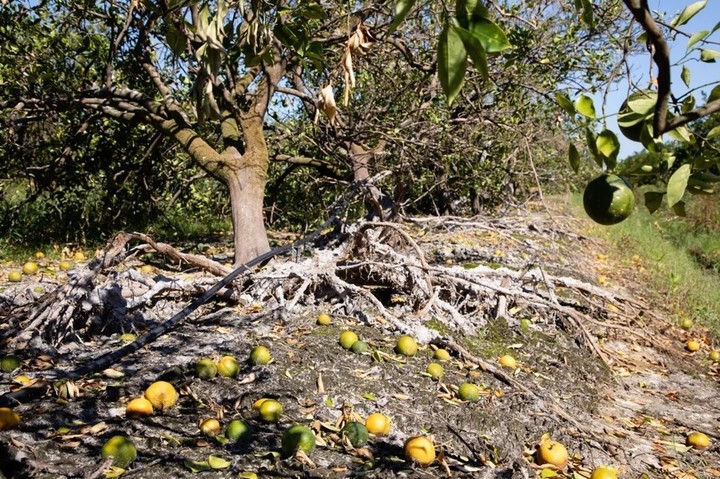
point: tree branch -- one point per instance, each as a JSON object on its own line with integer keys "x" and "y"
{"x": 661, "y": 57}
{"x": 692, "y": 115}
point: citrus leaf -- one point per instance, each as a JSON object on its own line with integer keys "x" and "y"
{"x": 217, "y": 462}
{"x": 714, "y": 94}
{"x": 709, "y": 56}
{"x": 402, "y": 8}
{"x": 677, "y": 184}
{"x": 565, "y": 103}
{"x": 587, "y": 14}
{"x": 653, "y": 200}
{"x": 592, "y": 146}
{"x": 467, "y": 11}
{"x": 715, "y": 132}
{"x": 716, "y": 27}
{"x": 696, "y": 37}
{"x": 685, "y": 75}
{"x": 451, "y": 63}
{"x": 642, "y": 102}
{"x": 687, "y": 13}
{"x": 491, "y": 36}
{"x": 681, "y": 134}
{"x": 584, "y": 105}
{"x": 609, "y": 146}
{"x": 474, "y": 49}
{"x": 176, "y": 39}
{"x": 688, "y": 104}
{"x": 574, "y": 158}
{"x": 679, "y": 209}
{"x": 197, "y": 466}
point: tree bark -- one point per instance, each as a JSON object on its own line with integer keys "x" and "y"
{"x": 247, "y": 189}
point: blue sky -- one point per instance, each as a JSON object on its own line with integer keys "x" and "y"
{"x": 701, "y": 73}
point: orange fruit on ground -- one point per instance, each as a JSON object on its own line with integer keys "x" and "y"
{"x": 39, "y": 255}
{"x": 260, "y": 355}
{"x": 271, "y": 410}
{"x": 79, "y": 256}
{"x": 347, "y": 339}
{"x": 698, "y": 440}
{"x": 469, "y": 392}
{"x": 210, "y": 427}
{"x": 552, "y": 452}
{"x": 714, "y": 356}
{"x": 406, "y": 346}
{"x": 256, "y": 405}
{"x": 442, "y": 355}
{"x": 30, "y": 268}
{"x": 65, "y": 265}
{"x": 604, "y": 472}
{"x": 435, "y": 370}
{"x": 228, "y": 367}
{"x": 139, "y": 407}
{"x": 686, "y": 324}
{"x": 121, "y": 449}
{"x": 508, "y": 361}
{"x": 15, "y": 276}
{"x": 378, "y": 424}
{"x": 8, "y": 418}
{"x": 324, "y": 319}
{"x": 692, "y": 345}
{"x": 420, "y": 450}
{"x": 162, "y": 395}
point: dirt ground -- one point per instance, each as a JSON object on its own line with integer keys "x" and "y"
{"x": 616, "y": 389}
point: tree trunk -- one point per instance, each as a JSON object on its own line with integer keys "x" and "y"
{"x": 247, "y": 189}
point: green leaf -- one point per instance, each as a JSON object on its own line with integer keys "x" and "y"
{"x": 587, "y": 15}
{"x": 679, "y": 209}
{"x": 685, "y": 75}
{"x": 681, "y": 134}
{"x": 642, "y": 102}
{"x": 698, "y": 186}
{"x": 585, "y": 106}
{"x": 716, "y": 27}
{"x": 696, "y": 37}
{"x": 314, "y": 12}
{"x": 565, "y": 103}
{"x": 608, "y": 146}
{"x": 451, "y": 62}
{"x": 197, "y": 466}
{"x": 402, "y": 8}
{"x": 592, "y": 146}
{"x": 574, "y": 157}
{"x": 709, "y": 56}
{"x": 669, "y": 158}
{"x": 688, "y": 104}
{"x": 176, "y": 40}
{"x": 467, "y": 11}
{"x": 547, "y": 473}
{"x": 217, "y": 462}
{"x": 653, "y": 200}
{"x": 687, "y": 13}
{"x": 677, "y": 184}
{"x": 491, "y": 36}
{"x": 714, "y": 94}
{"x": 474, "y": 49}
{"x": 714, "y": 133}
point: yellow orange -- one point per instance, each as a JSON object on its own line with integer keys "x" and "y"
{"x": 162, "y": 395}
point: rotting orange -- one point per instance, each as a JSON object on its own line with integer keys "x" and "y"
{"x": 508, "y": 361}
{"x": 420, "y": 450}
{"x": 378, "y": 424}
{"x": 162, "y": 395}
{"x": 8, "y": 418}
{"x": 698, "y": 440}
{"x": 139, "y": 407}
{"x": 210, "y": 427}
{"x": 552, "y": 452}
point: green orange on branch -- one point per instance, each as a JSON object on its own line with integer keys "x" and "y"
{"x": 608, "y": 199}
